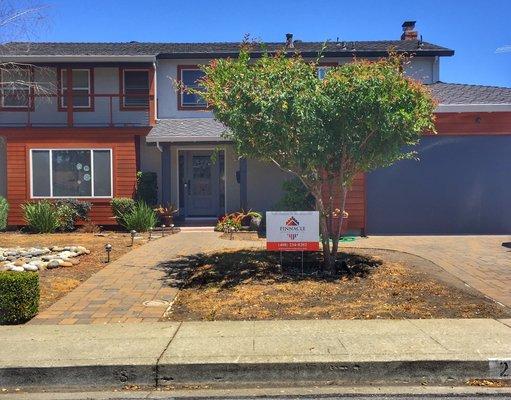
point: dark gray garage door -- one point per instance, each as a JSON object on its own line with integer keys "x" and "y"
{"x": 461, "y": 185}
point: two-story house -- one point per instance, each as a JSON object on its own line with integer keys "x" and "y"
{"x": 126, "y": 115}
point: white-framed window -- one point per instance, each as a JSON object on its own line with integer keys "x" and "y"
{"x": 322, "y": 70}
{"x": 190, "y": 78}
{"x": 71, "y": 173}
{"x": 81, "y": 88}
{"x": 135, "y": 88}
{"x": 15, "y": 87}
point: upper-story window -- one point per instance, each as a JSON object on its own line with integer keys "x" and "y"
{"x": 15, "y": 88}
{"x": 135, "y": 88}
{"x": 82, "y": 88}
{"x": 190, "y": 76}
{"x": 323, "y": 68}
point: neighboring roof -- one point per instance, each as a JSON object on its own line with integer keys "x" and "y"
{"x": 186, "y": 130}
{"x": 459, "y": 93}
{"x": 205, "y": 50}
{"x": 465, "y": 98}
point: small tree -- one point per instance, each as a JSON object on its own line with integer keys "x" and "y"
{"x": 358, "y": 118}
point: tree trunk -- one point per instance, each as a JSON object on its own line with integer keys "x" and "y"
{"x": 328, "y": 229}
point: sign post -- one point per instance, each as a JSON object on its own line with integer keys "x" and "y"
{"x": 292, "y": 231}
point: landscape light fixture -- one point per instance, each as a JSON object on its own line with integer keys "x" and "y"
{"x": 108, "y": 249}
{"x": 133, "y": 234}
{"x": 163, "y": 230}
{"x": 150, "y": 233}
{"x": 171, "y": 228}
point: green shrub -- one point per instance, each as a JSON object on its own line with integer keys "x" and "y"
{"x": 140, "y": 218}
{"x": 66, "y": 217}
{"x": 121, "y": 206}
{"x": 41, "y": 217}
{"x": 4, "y": 211}
{"x": 296, "y": 197}
{"x": 147, "y": 187}
{"x": 19, "y": 296}
{"x": 71, "y": 210}
{"x": 80, "y": 208}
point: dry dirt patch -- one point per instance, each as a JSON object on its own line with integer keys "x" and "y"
{"x": 256, "y": 285}
{"x": 55, "y": 283}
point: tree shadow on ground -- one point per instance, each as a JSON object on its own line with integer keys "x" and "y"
{"x": 225, "y": 270}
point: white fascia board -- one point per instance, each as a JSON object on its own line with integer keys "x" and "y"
{"x": 458, "y": 108}
{"x": 84, "y": 58}
{"x": 179, "y": 139}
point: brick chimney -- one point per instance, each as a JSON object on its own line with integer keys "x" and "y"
{"x": 409, "y": 32}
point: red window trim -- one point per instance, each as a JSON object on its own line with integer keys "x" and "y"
{"x": 122, "y": 107}
{"x": 60, "y": 92}
{"x": 31, "y": 99}
{"x": 180, "y": 106}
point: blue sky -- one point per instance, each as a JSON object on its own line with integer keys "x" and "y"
{"x": 473, "y": 28}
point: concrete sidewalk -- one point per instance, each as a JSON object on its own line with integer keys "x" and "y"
{"x": 252, "y": 353}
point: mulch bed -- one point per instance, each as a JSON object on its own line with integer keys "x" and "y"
{"x": 56, "y": 283}
{"x": 256, "y": 285}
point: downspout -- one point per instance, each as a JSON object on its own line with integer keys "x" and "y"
{"x": 155, "y": 75}
{"x": 158, "y": 146}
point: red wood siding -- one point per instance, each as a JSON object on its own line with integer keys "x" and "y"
{"x": 19, "y": 143}
{"x": 355, "y": 204}
{"x": 473, "y": 123}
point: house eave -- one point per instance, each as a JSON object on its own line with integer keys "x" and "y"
{"x": 307, "y": 54}
{"x": 78, "y": 58}
{"x": 185, "y": 139}
{"x": 460, "y": 108}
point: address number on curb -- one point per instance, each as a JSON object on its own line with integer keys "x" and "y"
{"x": 500, "y": 368}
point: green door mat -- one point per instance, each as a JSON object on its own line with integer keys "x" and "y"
{"x": 345, "y": 239}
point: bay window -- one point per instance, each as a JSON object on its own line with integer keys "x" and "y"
{"x": 71, "y": 173}
{"x": 82, "y": 88}
{"x": 190, "y": 77}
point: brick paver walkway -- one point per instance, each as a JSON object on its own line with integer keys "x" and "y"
{"x": 480, "y": 261}
{"x": 118, "y": 292}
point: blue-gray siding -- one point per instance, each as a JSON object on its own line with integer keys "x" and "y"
{"x": 461, "y": 185}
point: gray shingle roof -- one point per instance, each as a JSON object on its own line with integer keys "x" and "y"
{"x": 457, "y": 93}
{"x": 186, "y": 130}
{"x": 183, "y": 50}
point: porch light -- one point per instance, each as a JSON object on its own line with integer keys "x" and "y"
{"x": 108, "y": 249}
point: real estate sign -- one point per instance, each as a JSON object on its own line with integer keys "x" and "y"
{"x": 292, "y": 230}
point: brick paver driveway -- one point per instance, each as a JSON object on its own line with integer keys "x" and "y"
{"x": 480, "y": 261}
{"x": 120, "y": 291}
{"x": 131, "y": 288}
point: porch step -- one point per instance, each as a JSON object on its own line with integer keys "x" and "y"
{"x": 197, "y": 228}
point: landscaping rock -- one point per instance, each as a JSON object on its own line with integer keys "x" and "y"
{"x": 40, "y": 258}
{"x": 55, "y": 263}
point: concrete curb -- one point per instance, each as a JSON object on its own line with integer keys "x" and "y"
{"x": 248, "y": 374}
{"x": 341, "y": 373}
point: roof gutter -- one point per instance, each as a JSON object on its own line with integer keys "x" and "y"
{"x": 180, "y": 139}
{"x": 459, "y": 108}
{"x": 79, "y": 58}
{"x": 342, "y": 53}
